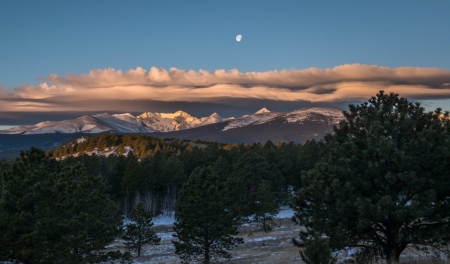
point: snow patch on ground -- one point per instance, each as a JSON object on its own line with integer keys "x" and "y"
{"x": 168, "y": 219}
{"x": 285, "y": 212}
{"x": 259, "y": 239}
{"x": 164, "y": 220}
{"x": 81, "y": 140}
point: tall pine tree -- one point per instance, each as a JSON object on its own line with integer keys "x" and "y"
{"x": 205, "y": 224}
{"x": 140, "y": 232}
{"x": 243, "y": 183}
{"x": 266, "y": 205}
{"x": 54, "y": 214}
{"x": 382, "y": 183}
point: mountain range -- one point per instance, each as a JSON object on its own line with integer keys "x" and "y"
{"x": 297, "y": 126}
{"x": 118, "y": 123}
{"x": 150, "y": 122}
{"x": 261, "y": 126}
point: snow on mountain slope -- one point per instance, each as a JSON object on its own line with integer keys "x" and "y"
{"x": 262, "y": 111}
{"x": 333, "y": 116}
{"x": 166, "y": 122}
{"x": 214, "y": 118}
{"x": 258, "y": 117}
{"x": 329, "y": 115}
{"x": 86, "y": 124}
{"x": 179, "y": 120}
{"x": 21, "y": 129}
{"x": 120, "y": 123}
{"x": 128, "y": 117}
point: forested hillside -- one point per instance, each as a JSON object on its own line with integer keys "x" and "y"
{"x": 153, "y": 170}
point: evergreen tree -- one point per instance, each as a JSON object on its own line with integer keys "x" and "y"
{"x": 222, "y": 167}
{"x": 316, "y": 250}
{"x": 243, "y": 183}
{"x": 204, "y": 223}
{"x": 382, "y": 182}
{"x": 266, "y": 205}
{"x": 54, "y": 214}
{"x": 133, "y": 176}
{"x": 140, "y": 232}
{"x": 172, "y": 170}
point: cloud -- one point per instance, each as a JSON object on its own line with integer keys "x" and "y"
{"x": 101, "y": 89}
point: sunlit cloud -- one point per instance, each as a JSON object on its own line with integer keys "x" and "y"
{"x": 355, "y": 82}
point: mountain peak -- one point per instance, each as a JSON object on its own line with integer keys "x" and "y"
{"x": 181, "y": 113}
{"x": 262, "y": 111}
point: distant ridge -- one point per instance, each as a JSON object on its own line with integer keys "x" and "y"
{"x": 119, "y": 123}
{"x": 154, "y": 122}
{"x": 296, "y": 126}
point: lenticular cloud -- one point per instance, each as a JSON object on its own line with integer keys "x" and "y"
{"x": 292, "y": 79}
{"x": 341, "y": 83}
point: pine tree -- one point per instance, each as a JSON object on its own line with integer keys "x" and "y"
{"x": 140, "y": 232}
{"x": 205, "y": 225}
{"x": 316, "y": 250}
{"x": 243, "y": 183}
{"x": 54, "y": 214}
{"x": 133, "y": 176}
{"x": 382, "y": 181}
{"x": 266, "y": 205}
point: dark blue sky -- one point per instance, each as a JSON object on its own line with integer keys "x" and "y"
{"x": 41, "y": 38}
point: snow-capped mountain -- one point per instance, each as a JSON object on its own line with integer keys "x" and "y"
{"x": 120, "y": 123}
{"x": 85, "y": 124}
{"x": 167, "y": 122}
{"x": 297, "y": 126}
{"x": 164, "y": 122}
{"x": 258, "y": 117}
{"x": 323, "y": 115}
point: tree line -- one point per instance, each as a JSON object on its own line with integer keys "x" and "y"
{"x": 156, "y": 177}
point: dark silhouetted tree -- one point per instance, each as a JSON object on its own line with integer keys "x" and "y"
{"x": 243, "y": 183}
{"x": 140, "y": 232}
{"x": 316, "y": 250}
{"x": 55, "y": 214}
{"x": 383, "y": 181}
{"x": 266, "y": 205}
{"x": 205, "y": 224}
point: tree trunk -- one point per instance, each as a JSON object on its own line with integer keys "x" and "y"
{"x": 392, "y": 248}
{"x": 264, "y": 222}
{"x": 393, "y": 257}
{"x": 139, "y": 247}
{"x": 206, "y": 260}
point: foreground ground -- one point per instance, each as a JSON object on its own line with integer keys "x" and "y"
{"x": 258, "y": 247}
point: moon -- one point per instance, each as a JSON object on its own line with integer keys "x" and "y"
{"x": 238, "y": 38}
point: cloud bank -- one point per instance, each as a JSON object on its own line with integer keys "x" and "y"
{"x": 115, "y": 90}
